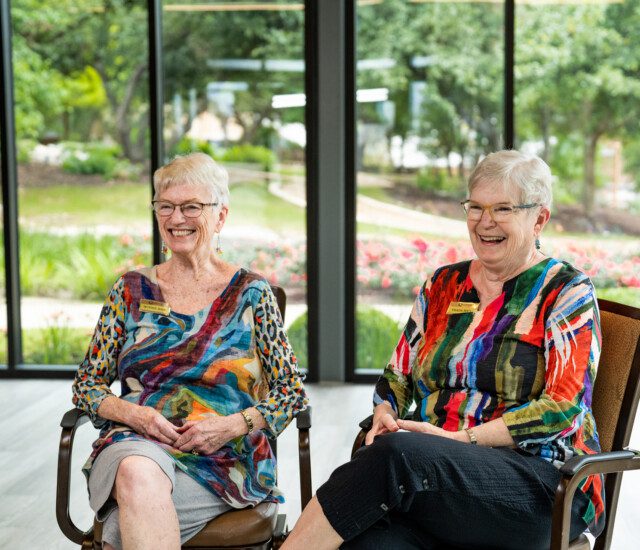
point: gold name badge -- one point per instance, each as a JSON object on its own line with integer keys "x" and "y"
{"x": 462, "y": 307}
{"x": 152, "y": 306}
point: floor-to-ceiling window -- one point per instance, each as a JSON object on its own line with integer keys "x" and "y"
{"x": 234, "y": 88}
{"x": 429, "y": 104}
{"x": 577, "y": 105}
{"x": 81, "y": 111}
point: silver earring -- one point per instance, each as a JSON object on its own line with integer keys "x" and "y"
{"x": 218, "y": 247}
{"x": 537, "y": 243}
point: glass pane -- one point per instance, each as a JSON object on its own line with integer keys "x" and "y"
{"x": 577, "y": 107}
{"x": 82, "y": 138}
{"x": 234, "y": 89}
{"x": 429, "y": 104}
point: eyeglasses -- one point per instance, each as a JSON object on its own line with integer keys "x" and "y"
{"x": 500, "y": 212}
{"x": 188, "y": 209}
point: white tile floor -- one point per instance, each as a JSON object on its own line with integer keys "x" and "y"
{"x": 28, "y": 458}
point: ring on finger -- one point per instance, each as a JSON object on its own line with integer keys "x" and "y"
{"x": 194, "y": 452}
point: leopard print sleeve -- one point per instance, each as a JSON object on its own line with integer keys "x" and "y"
{"x": 98, "y": 370}
{"x": 286, "y": 395}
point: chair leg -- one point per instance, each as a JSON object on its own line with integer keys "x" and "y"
{"x": 280, "y": 532}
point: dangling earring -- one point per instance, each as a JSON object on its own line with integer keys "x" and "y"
{"x": 164, "y": 249}
{"x": 218, "y": 247}
{"x": 537, "y": 243}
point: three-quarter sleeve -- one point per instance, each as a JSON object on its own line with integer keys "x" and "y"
{"x": 395, "y": 385}
{"x": 286, "y": 395}
{"x": 98, "y": 370}
{"x": 572, "y": 350}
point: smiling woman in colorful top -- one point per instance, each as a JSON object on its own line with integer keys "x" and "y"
{"x": 206, "y": 373}
{"x": 499, "y": 356}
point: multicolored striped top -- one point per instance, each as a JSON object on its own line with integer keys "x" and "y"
{"x": 229, "y": 356}
{"x": 530, "y": 357}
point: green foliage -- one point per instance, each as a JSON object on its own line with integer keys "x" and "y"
{"x": 438, "y": 181}
{"x": 56, "y": 344}
{"x": 376, "y": 335}
{"x": 94, "y": 159}
{"x": 187, "y": 145}
{"x": 79, "y": 266}
{"x": 24, "y": 149}
{"x": 251, "y": 154}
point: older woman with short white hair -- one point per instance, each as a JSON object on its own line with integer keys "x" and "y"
{"x": 499, "y": 356}
{"x": 206, "y": 373}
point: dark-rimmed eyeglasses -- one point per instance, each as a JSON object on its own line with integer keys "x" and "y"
{"x": 499, "y": 212}
{"x": 188, "y": 209}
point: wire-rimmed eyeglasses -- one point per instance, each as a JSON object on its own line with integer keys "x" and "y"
{"x": 188, "y": 209}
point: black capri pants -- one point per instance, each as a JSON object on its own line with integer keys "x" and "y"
{"x": 418, "y": 491}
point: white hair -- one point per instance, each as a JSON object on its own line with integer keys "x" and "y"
{"x": 527, "y": 175}
{"x": 196, "y": 169}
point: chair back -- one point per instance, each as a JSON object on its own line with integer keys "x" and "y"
{"x": 615, "y": 394}
{"x": 281, "y": 298}
{"x": 617, "y": 385}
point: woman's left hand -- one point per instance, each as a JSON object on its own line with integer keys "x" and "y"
{"x": 206, "y": 436}
{"x": 427, "y": 428}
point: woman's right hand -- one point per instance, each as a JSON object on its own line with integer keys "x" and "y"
{"x": 150, "y": 423}
{"x": 384, "y": 421}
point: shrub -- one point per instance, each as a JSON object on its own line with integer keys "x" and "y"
{"x": 56, "y": 344}
{"x": 438, "y": 181}
{"x": 187, "y": 145}
{"x": 376, "y": 334}
{"x": 94, "y": 159}
{"x": 82, "y": 266}
{"x": 24, "y": 149}
{"x": 251, "y": 153}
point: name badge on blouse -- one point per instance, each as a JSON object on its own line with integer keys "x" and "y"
{"x": 462, "y": 307}
{"x": 153, "y": 306}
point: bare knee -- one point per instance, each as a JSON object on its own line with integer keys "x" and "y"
{"x": 139, "y": 478}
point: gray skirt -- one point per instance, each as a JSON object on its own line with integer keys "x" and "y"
{"x": 195, "y": 504}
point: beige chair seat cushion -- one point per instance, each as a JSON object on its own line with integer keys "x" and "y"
{"x": 238, "y": 527}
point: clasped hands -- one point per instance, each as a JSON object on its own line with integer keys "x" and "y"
{"x": 197, "y": 436}
{"x": 386, "y": 421}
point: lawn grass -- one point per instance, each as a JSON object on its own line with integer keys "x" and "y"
{"x": 90, "y": 205}
{"x": 252, "y": 204}
{"x": 128, "y": 203}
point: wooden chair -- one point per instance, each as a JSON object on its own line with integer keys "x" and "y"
{"x": 258, "y": 528}
{"x": 615, "y": 401}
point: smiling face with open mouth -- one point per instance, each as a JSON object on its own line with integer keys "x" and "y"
{"x": 190, "y": 235}
{"x": 507, "y": 245}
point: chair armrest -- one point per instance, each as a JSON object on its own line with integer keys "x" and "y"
{"x": 573, "y": 472}
{"x": 573, "y": 466}
{"x": 366, "y": 423}
{"x": 74, "y": 418}
{"x": 303, "y": 423}
{"x": 70, "y": 422}
{"x": 365, "y": 426}
{"x": 303, "y": 420}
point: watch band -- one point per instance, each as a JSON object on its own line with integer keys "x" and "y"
{"x": 472, "y": 436}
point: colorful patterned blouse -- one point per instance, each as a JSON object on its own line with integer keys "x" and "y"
{"x": 529, "y": 357}
{"x": 229, "y": 356}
